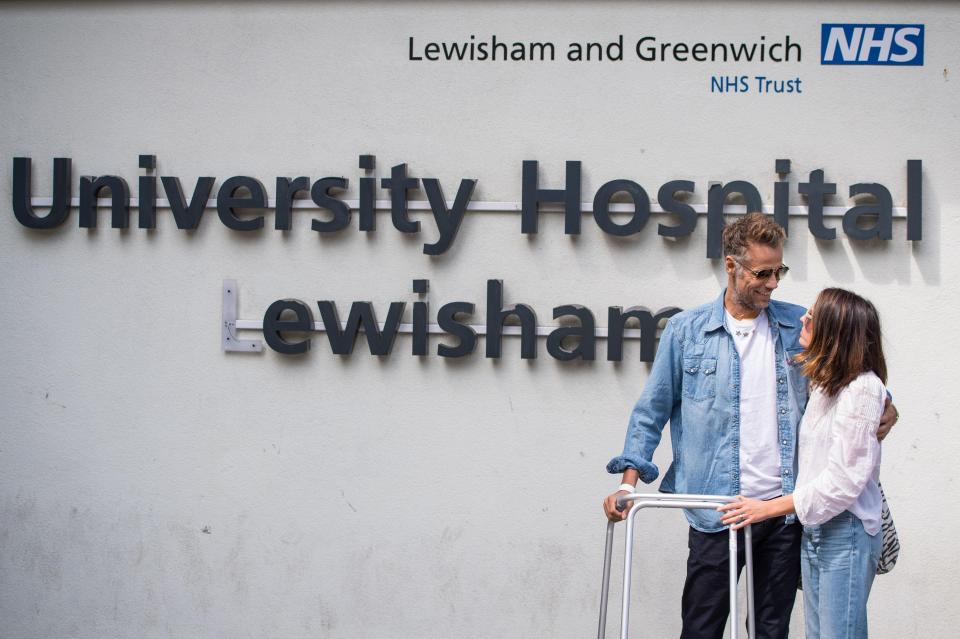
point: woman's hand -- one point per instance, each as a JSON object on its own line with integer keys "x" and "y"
{"x": 744, "y": 511}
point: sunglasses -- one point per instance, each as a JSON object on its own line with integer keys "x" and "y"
{"x": 765, "y": 274}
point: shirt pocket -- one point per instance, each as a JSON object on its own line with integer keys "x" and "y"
{"x": 795, "y": 373}
{"x": 699, "y": 377}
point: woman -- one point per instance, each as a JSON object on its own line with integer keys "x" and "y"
{"x": 837, "y": 497}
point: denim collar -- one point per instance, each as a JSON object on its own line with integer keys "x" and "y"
{"x": 716, "y": 319}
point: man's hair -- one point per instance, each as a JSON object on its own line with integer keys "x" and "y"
{"x": 845, "y": 343}
{"x": 752, "y": 228}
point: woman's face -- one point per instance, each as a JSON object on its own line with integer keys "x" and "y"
{"x": 806, "y": 330}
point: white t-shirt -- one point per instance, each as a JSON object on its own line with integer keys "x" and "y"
{"x": 759, "y": 448}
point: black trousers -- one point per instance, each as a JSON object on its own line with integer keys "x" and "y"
{"x": 776, "y": 572}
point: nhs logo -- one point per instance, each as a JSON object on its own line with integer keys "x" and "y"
{"x": 892, "y": 44}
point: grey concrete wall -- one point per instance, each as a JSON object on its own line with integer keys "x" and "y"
{"x": 152, "y": 485}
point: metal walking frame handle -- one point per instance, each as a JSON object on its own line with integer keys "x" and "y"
{"x": 664, "y": 500}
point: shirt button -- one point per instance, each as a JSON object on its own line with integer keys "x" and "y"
{"x": 786, "y": 472}
{"x": 784, "y": 442}
{"x": 783, "y": 411}
{"x": 780, "y": 381}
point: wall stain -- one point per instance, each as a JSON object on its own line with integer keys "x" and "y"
{"x": 347, "y": 500}
{"x": 46, "y": 396}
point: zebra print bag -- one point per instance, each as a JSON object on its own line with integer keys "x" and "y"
{"x": 890, "y": 549}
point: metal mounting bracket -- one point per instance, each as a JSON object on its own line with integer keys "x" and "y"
{"x": 228, "y": 318}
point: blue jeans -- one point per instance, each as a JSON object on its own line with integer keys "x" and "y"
{"x": 838, "y": 561}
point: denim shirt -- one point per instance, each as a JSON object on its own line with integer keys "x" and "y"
{"x": 695, "y": 384}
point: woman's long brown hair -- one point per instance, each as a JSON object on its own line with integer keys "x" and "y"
{"x": 846, "y": 341}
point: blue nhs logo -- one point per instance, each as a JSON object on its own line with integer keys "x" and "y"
{"x": 892, "y": 44}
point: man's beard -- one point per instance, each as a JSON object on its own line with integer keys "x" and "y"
{"x": 745, "y": 302}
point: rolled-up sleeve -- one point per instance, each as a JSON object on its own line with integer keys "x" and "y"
{"x": 652, "y": 411}
{"x": 852, "y": 453}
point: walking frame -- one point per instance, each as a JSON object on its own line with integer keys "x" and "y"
{"x": 663, "y": 500}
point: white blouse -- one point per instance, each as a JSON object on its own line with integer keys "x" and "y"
{"x": 839, "y": 455}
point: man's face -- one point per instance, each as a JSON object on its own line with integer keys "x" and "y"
{"x": 748, "y": 292}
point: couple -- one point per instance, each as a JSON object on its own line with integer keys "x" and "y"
{"x": 732, "y": 377}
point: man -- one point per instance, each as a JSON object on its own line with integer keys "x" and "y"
{"x": 724, "y": 376}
